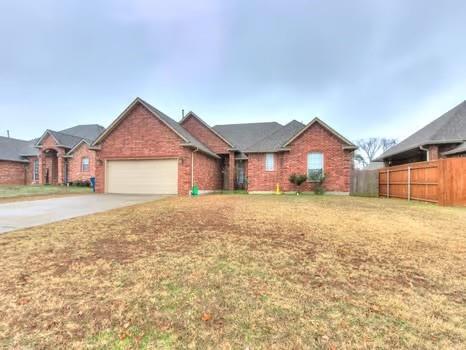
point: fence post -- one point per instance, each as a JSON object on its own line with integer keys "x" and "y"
{"x": 441, "y": 183}
{"x": 388, "y": 183}
{"x": 409, "y": 183}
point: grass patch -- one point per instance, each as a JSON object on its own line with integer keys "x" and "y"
{"x": 8, "y": 192}
{"x": 240, "y": 271}
{"x": 234, "y": 192}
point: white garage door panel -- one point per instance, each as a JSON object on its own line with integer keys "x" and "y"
{"x": 142, "y": 176}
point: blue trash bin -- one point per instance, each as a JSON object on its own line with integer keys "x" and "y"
{"x": 93, "y": 184}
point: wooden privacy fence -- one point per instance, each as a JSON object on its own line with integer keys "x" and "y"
{"x": 365, "y": 183}
{"x": 440, "y": 181}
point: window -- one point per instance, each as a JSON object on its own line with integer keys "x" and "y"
{"x": 35, "y": 175}
{"x": 85, "y": 164}
{"x": 315, "y": 166}
{"x": 269, "y": 162}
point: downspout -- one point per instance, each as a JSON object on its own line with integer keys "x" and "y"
{"x": 422, "y": 148}
{"x": 192, "y": 170}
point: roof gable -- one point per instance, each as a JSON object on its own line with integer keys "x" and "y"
{"x": 348, "y": 143}
{"x": 191, "y": 114}
{"x": 77, "y": 146}
{"x": 61, "y": 139}
{"x": 188, "y": 139}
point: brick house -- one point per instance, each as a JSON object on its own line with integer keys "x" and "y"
{"x": 145, "y": 151}
{"x": 444, "y": 137}
{"x": 57, "y": 157}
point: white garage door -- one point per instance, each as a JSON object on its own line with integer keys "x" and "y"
{"x": 142, "y": 176}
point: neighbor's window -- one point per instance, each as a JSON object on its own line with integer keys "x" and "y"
{"x": 85, "y": 164}
{"x": 315, "y": 166}
{"x": 36, "y": 170}
{"x": 269, "y": 162}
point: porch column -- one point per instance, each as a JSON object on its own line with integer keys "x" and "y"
{"x": 41, "y": 157}
{"x": 231, "y": 171}
{"x": 61, "y": 169}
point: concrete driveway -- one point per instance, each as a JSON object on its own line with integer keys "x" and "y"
{"x": 18, "y": 215}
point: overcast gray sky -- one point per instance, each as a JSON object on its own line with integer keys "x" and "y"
{"x": 366, "y": 67}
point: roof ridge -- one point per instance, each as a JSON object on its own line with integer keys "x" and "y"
{"x": 64, "y": 133}
{"x": 92, "y": 124}
{"x": 274, "y": 122}
{"x": 14, "y": 139}
{"x": 277, "y": 132}
{"x": 267, "y": 136}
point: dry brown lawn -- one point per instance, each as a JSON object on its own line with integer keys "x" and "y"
{"x": 228, "y": 272}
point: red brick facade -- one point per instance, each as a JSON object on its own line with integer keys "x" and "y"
{"x": 30, "y": 179}
{"x": 75, "y": 171}
{"x": 51, "y": 162}
{"x": 140, "y": 135}
{"x": 337, "y": 163}
{"x": 13, "y": 173}
{"x": 207, "y": 172}
{"x": 205, "y": 135}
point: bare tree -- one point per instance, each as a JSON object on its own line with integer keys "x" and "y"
{"x": 370, "y": 148}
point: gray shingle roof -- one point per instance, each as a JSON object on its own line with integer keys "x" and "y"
{"x": 72, "y": 136}
{"x": 88, "y": 132}
{"x": 242, "y": 136}
{"x": 66, "y": 139}
{"x": 12, "y": 149}
{"x": 275, "y": 141}
{"x": 460, "y": 149}
{"x": 450, "y": 127}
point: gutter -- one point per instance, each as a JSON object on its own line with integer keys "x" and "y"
{"x": 422, "y": 148}
{"x": 192, "y": 169}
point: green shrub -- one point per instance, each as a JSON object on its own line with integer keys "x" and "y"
{"x": 319, "y": 179}
{"x": 297, "y": 180}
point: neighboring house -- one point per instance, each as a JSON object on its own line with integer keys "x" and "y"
{"x": 444, "y": 137}
{"x": 15, "y": 158}
{"x": 145, "y": 151}
{"x": 57, "y": 157}
{"x": 374, "y": 166}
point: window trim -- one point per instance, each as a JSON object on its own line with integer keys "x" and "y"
{"x": 273, "y": 161}
{"x": 307, "y": 165}
{"x": 88, "y": 165}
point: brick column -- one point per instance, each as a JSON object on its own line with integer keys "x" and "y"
{"x": 61, "y": 168}
{"x": 41, "y": 157}
{"x": 433, "y": 152}
{"x": 231, "y": 171}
